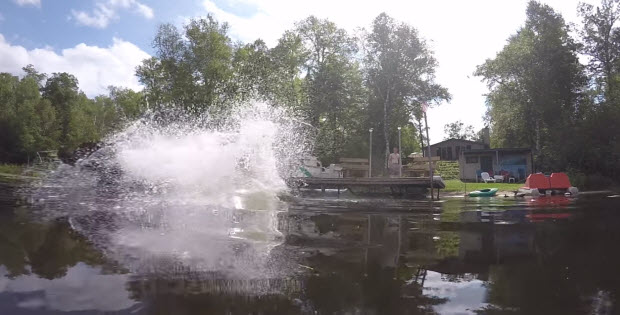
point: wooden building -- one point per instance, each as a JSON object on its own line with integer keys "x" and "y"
{"x": 451, "y": 149}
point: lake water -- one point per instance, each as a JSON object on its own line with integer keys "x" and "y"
{"x": 552, "y": 255}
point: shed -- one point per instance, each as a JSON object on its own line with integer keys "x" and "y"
{"x": 515, "y": 162}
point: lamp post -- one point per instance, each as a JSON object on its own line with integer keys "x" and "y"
{"x": 370, "y": 154}
{"x": 430, "y": 160}
{"x": 400, "y": 157}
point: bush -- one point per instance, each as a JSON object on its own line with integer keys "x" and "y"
{"x": 10, "y": 169}
{"x": 448, "y": 169}
{"x": 585, "y": 181}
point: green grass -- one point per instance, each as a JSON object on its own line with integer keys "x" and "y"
{"x": 456, "y": 185}
{"x": 12, "y": 169}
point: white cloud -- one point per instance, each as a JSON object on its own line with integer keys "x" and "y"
{"x": 462, "y": 34}
{"x": 107, "y": 11}
{"x": 95, "y": 67}
{"x": 34, "y": 3}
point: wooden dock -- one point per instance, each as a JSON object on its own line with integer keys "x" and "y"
{"x": 401, "y": 184}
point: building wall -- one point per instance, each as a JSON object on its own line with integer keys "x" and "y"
{"x": 511, "y": 162}
{"x": 455, "y": 146}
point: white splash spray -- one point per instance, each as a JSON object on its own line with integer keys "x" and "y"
{"x": 205, "y": 197}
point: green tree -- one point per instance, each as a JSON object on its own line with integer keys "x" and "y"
{"x": 400, "y": 76}
{"x": 128, "y": 105}
{"x": 601, "y": 42}
{"x": 285, "y": 85}
{"x": 61, "y": 89}
{"x": 33, "y": 73}
{"x": 192, "y": 70}
{"x": 27, "y": 122}
{"x": 458, "y": 130}
{"x": 335, "y": 87}
{"x": 252, "y": 70}
{"x": 536, "y": 88}
{"x": 600, "y": 36}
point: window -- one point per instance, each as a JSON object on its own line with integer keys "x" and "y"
{"x": 449, "y": 154}
{"x": 458, "y": 152}
{"x": 438, "y": 151}
{"x": 443, "y": 153}
{"x": 469, "y": 147}
{"x": 471, "y": 159}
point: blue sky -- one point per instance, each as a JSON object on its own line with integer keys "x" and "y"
{"x": 102, "y": 41}
{"x": 53, "y": 23}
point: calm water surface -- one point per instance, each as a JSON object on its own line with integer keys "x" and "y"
{"x": 350, "y": 256}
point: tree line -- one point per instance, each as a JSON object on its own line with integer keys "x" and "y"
{"x": 553, "y": 88}
{"x": 341, "y": 84}
{"x": 542, "y": 96}
{"x": 40, "y": 112}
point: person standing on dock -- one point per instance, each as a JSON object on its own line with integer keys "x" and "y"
{"x": 394, "y": 163}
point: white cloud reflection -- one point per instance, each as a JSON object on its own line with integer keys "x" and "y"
{"x": 82, "y": 288}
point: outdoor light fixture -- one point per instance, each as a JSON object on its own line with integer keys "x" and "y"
{"x": 400, "y": 157}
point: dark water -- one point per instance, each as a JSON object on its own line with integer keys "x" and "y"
{"x": 492, "y": 256}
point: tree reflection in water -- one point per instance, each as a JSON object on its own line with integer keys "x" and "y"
{"x": 354, "y": 262}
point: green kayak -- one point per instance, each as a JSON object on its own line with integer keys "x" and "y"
{"x": 489, "y": 192}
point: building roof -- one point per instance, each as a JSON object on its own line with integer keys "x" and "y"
{"x": 503, "y": 150}
{"x": 455, "y": 139}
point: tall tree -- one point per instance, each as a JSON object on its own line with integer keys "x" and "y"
{"x": 536, "y": 85}
{"x": 601, "y": 42}
{"x": 400, "y": 76}
{"x": 334, "y": 86}
{"x": 192, "y": 70}
{"x": 61, "y": 89}
{"x": 600, "y": 35}
{"x": 27, "y": 122}
{"x": 285, "y": 85}
{"x": 458, "y": 130}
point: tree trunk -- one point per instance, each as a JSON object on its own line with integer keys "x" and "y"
{"x": 386, "y": 128}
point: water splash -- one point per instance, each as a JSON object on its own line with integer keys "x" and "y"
{"x": 188, "y": 194}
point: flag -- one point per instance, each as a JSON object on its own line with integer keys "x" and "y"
{"x": 424, "y": 107}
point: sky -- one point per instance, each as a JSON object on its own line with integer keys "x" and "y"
{"x": 102, "y": 41}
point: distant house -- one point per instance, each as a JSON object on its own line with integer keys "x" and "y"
{"x": 514, "y": 162}
{"x": 451, "y": 149}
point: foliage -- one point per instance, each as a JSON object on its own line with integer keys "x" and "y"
{"x": 400, "y": 73}
{"x": 589, "y": 181}
{"x": 10, "y": 169}
{"x": 334, "y": 86}
{"x": 537, "y": 89}
{"x": 601, "y": 42}
{"x": 314, "y": 70}
{"x": 458, "y": 130}
{"x": 40, "y": 112}
{"x": 542, "y": 96}
{"x": 342, "y": 85}
{"x": 448, "y": 169}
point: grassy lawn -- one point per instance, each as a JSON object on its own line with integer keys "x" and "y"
{"x": 12, "y": 169}
{"x": 455, "y": 185}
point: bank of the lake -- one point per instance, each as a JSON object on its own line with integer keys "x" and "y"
{"x": 457, "y": 186}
